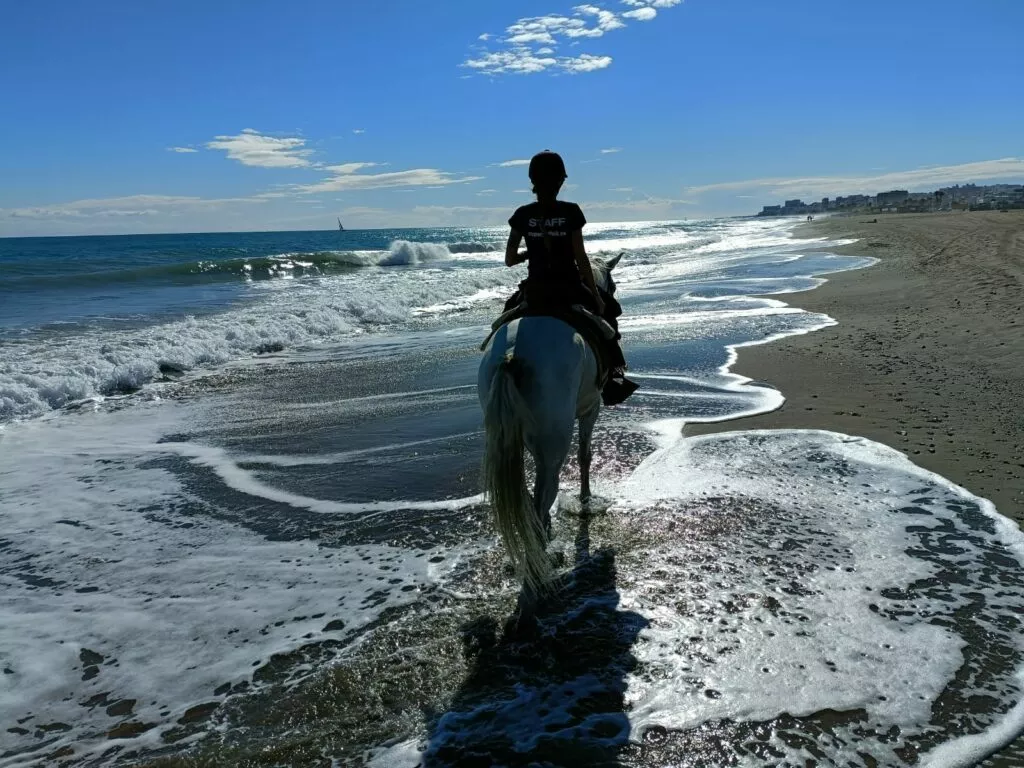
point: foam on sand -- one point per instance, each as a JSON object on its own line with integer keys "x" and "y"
{"x": 801, "y": 597}
{"x": 823, "y": 573}
{"x": 126, "y": 603}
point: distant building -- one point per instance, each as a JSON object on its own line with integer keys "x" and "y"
{"x": 895, "y": 197}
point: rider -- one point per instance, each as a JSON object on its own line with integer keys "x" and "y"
{"x": 559, "y": 271}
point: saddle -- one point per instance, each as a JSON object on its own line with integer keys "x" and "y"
{"x": 594, "y": 329}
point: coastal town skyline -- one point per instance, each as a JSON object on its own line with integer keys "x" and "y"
{"x": 958, "y": 197}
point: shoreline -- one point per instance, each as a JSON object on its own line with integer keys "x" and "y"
{"x": 927, "y": 354}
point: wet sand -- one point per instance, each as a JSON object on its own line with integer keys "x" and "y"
{"x": 927, "y": 356}
{"x": 928, "y": 353}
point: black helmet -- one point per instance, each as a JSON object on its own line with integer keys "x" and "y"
{"x": 547, "y": 165}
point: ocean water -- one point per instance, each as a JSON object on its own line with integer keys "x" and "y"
{"x": 241, "y": 520}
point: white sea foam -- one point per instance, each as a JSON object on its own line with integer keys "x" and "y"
{"x": 807, "y": 601}
{"x": 400, "y": 253}
{"x": 36, "y": 376}
{"x": 116, "y": 581}
{"x": 236, "y": 477}
{"x": 790, "y": 574}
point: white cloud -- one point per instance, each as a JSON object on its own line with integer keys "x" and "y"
{"x": 486, "y": 192}
{"x": 250, "y": 147}
{"x": 530, "y": 44}
{"x": 348, "y": 167}
{"x": 182, "y": 150}
{"x": 611, "y": 150}
{"x": 915, "y": 180}
{"x": 606, "y": 22}
{"x": 621, "y": 189}
{"x": 585, "y": 63}
{"x": 358, "y": 130}
{"x": 523, "y": 61}
{"x": 518, "y": 61}
{"x": 641, "y": 14}
{"x": 512, "y": 163}
{"x": 417, "y": 177}
{"x": 132, "y": 205}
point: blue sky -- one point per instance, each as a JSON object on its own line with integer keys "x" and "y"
{"x": 121, "y": 116}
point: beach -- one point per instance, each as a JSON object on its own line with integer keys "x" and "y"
{"x": 242, "y": 521}
{"x": 928, "y": 352}
{"x": 927, "y": 355}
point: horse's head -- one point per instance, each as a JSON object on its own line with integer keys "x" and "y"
{"x": 603, "y": 273}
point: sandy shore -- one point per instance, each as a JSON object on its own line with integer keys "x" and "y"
{"x": 928, "y": 353}
{"x": 927, "y": 356}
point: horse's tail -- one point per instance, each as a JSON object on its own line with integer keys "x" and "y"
{"x": 506, "y": 417}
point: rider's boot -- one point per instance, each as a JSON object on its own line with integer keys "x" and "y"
{"x": 618, "y": 387}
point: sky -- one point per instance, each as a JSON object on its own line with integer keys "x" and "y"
{"x": 120, "y": 117}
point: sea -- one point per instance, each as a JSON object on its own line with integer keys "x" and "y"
{"x": 241, "y": 522}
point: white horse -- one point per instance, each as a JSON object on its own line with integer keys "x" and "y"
{"x": 537, "y": 378}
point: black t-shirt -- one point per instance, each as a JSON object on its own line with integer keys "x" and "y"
{"x": 548, "y": 233}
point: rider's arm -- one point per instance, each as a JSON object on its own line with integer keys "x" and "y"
{"x": 512, "y": 254}
{"x": 583, "y": 265}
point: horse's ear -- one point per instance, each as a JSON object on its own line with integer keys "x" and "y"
{"x": 610, "y": 264}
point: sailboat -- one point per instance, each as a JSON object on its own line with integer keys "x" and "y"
{"x": 340, "y": 228}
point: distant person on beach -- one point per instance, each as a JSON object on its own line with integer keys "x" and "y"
{"x": 559, "y": 270}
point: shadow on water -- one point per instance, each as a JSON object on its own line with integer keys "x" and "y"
{"x": 550, "y": 692}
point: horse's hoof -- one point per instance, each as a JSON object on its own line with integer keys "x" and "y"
{"x": 570, "y": 505}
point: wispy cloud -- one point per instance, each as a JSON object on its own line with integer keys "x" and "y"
{"x": 349, "y": 180}
{"x": 358, "y": 131}
{"x": 486, "y": 192}
{"x": 621, "y": 189}
{"x": 132, "y": 205}
{"x": 914, "y": 180}
{"x": 512, "y": 163}
{"x": 182, "y": 150}
{"x": 250, "y": 147}
{"x": 530, "y": 44}
{"x": 349, "y": 167}
{"x": 611, "y": 150}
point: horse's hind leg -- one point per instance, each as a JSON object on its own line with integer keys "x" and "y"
{"x": 549, "y": 462}
{"x": 587, "y": 422}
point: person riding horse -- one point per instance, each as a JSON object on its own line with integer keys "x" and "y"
{"x": 559, "y": 272}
